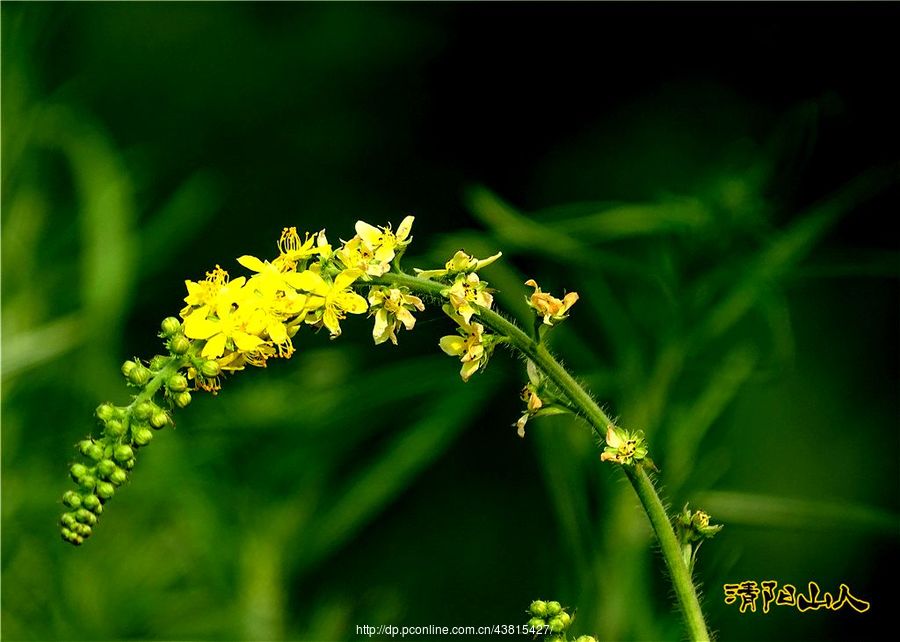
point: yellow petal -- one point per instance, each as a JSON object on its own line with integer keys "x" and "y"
{"x": 345, "y": 279}
{"x": 331, "y": 321}
{"x": 252, "y": 263}
{"x": 406, "y": 318}
{"x": 351, "y": 302}
{"x": 612, "y": 438}
{"x": 486, "y": 262}
{"x": 405, "y": 228}
{"x": 309, "y": 281}
{"x": 380, "y": 330}
{"x": 385, "y": 253}
{"x": 370, "y": 234}
{"x": 198, "y": 327}
{"x": 453, "y": 345}
{"x": 468, "y": 369}
{"x": 214, "y": 347}
{"x": 245, "y": 342}
{"x": 277, "y": 331}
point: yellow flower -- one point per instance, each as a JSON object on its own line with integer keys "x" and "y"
{"x": 337, "y": 299}
{"x": 382, "y": 241}
{"x": 203, "y": 293}
{"x": 356, "y": 255}
{"x": 468, "y": 291}
{"x": 292, "y": 250}
{"x": 373, "y": 248}
{"x": 278, "y": 289}
{"x": 459, "y": 262}
{"x": 624, "y": 447}
{"x": 552, "y": 309}
{"x": 392, "y": 308}
{"x": 471, "y": 348}
{"x": 226, "y": 329}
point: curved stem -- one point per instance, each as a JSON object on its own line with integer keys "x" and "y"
{"x": 671, "y": 551}
{"x": 598, "y": 420}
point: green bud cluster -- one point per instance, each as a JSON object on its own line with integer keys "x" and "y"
{"x": 552, "y": 621}
{"x": 106, "y": 461}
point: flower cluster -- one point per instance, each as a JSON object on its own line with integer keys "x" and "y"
{"x": 467, "y": 294}
{"x": 228, "y": 324}
{"x": 551, "y": 620}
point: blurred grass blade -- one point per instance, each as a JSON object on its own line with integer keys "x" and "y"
{"x": 393, "y": 470}
{"x": 515, "y": 231}
{"x": 104, "y": 189}
{"x": 789, "y": 248}
{"x": 179, "y": 220}
{"x": 626, "y": 220}
{"x": 692, "y": 424}
{"x": 781, "y": 512}
{"x": 28, "y": 349}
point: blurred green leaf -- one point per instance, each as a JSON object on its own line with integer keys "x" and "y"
{"x": 747, "y": 509}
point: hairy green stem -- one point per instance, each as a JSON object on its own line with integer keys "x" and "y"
{"x": 598, "y": 420}
{"x": 671, "y": 551}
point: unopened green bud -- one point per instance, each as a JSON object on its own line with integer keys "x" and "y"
{"x": 105, "y": 490}
{"x": 72, "y": 499}
{"x": 105, "y": 411}
{"x": 85, "y": 516}
{"x": 115, "y": 428}
{"x": 90, "y": 502}
{"x": 106, "y": 468}
{"x": 538, "y": 608}
{"x": 553, "y": 608}
{"x": 565, "y": 618}
{"x": 159, "y": 419}
{"x": 95, "y": 452}
{"x": 556, "y": 624}
{"x": 210, "y": 368}
{"x": 84, "y": 445}
{"x": 143, "y": 410}
{"x": 139, "y": 375}
{"x": 585, "y": 638}
{"x": 82, "y": 529}
{"x": 536, "y": 623}
{"x": 142, "y": 436}
{"x": 182, "y": 399}
{"x": 118, "y": 477}
{"x": 68, "y": 520}
{"x": 179, "y": 344}
{"x": 128, "y": 367}
{"x": 98, "y": 509}
{"x": 123, "y": 453}
{"x": 158, "y": 362}
{"x": 88, "y": 482}
{"x": 71, "y": 537}
{"x": 177, "y": 383}
{"x": 169, "y": 326}
{"x": 128, "y": 465}
{"x": 78, "y": 471}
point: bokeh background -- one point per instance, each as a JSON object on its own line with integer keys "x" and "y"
{"x": 718, "y": 183}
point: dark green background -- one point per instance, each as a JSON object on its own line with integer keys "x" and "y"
{"x": 716, "y": 182}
